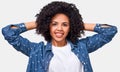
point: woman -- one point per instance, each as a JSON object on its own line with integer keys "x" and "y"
{"x": 61, "y": 25}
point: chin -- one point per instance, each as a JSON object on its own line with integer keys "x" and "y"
{"x": 59, "y": 40}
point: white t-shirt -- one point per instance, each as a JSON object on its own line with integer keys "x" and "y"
{"x": 64, "y": 60}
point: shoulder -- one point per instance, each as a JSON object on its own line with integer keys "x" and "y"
{"x": 38, "y": 47}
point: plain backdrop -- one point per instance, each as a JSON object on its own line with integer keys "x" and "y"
{"x": 106, "y": 59}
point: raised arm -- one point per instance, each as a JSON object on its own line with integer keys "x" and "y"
{"x": 91, "y": 26}
{"x": 28, "y": 25}
{"x": 105, "y": 33}
{"x": 12, "y": 33}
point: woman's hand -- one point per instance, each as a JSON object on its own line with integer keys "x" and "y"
{"x": 30, "y": 25}
{"x": 89, "y": 26}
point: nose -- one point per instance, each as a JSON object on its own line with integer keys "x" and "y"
{"x": 59, "y": 27}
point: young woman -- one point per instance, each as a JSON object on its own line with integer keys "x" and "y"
{"x": 61, "y": 25}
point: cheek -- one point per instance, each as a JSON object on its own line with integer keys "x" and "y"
{"x": 52, "y": 31}
{"x": 68, "y": 30}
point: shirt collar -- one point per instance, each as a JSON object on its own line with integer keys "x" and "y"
{"x": 49, "y": 45}
{"x": 72, "y": 45}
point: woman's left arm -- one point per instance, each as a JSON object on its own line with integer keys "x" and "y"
{"x": 89, "y": 26}
{"x": 105, "y": 33}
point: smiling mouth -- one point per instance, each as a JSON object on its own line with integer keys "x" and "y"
{"x": 59, "y": 35}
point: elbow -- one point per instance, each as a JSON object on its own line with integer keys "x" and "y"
{"x": 7, "y": 33}
{"x": 109, "y": 33}
{"x": 112, "y": 33}
{"x": 4, "y": 31}
{"x": 115, "y": 30}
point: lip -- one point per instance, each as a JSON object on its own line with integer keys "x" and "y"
{"x": 59, "y": 35}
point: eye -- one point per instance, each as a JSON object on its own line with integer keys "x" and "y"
{"x": 65, "y": 24}
{"x": 53, "y": 24}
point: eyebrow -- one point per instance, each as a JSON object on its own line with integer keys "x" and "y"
{"x": 62, "y": 22}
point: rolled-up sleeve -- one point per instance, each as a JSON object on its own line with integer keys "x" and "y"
{"x": 105, "y": 33}
{"x": 12, "y": 35}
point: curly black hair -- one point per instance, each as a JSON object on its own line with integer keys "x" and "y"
{"x": 46, "y": 14}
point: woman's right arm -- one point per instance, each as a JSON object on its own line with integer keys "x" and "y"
{"x": 28, "y": 25}
{"x": 12, "y": 33}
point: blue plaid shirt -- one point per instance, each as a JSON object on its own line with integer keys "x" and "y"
{"x": 40, "y": 54}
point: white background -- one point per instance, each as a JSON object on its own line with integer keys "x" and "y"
{"x": 106, "y": 59}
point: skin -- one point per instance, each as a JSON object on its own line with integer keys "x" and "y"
{"x": 59, "y": 29}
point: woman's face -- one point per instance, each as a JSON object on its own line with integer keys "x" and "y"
{"x": 59, "y": 28}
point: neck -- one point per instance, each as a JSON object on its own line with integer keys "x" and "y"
{"x": 59, "y": 43}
